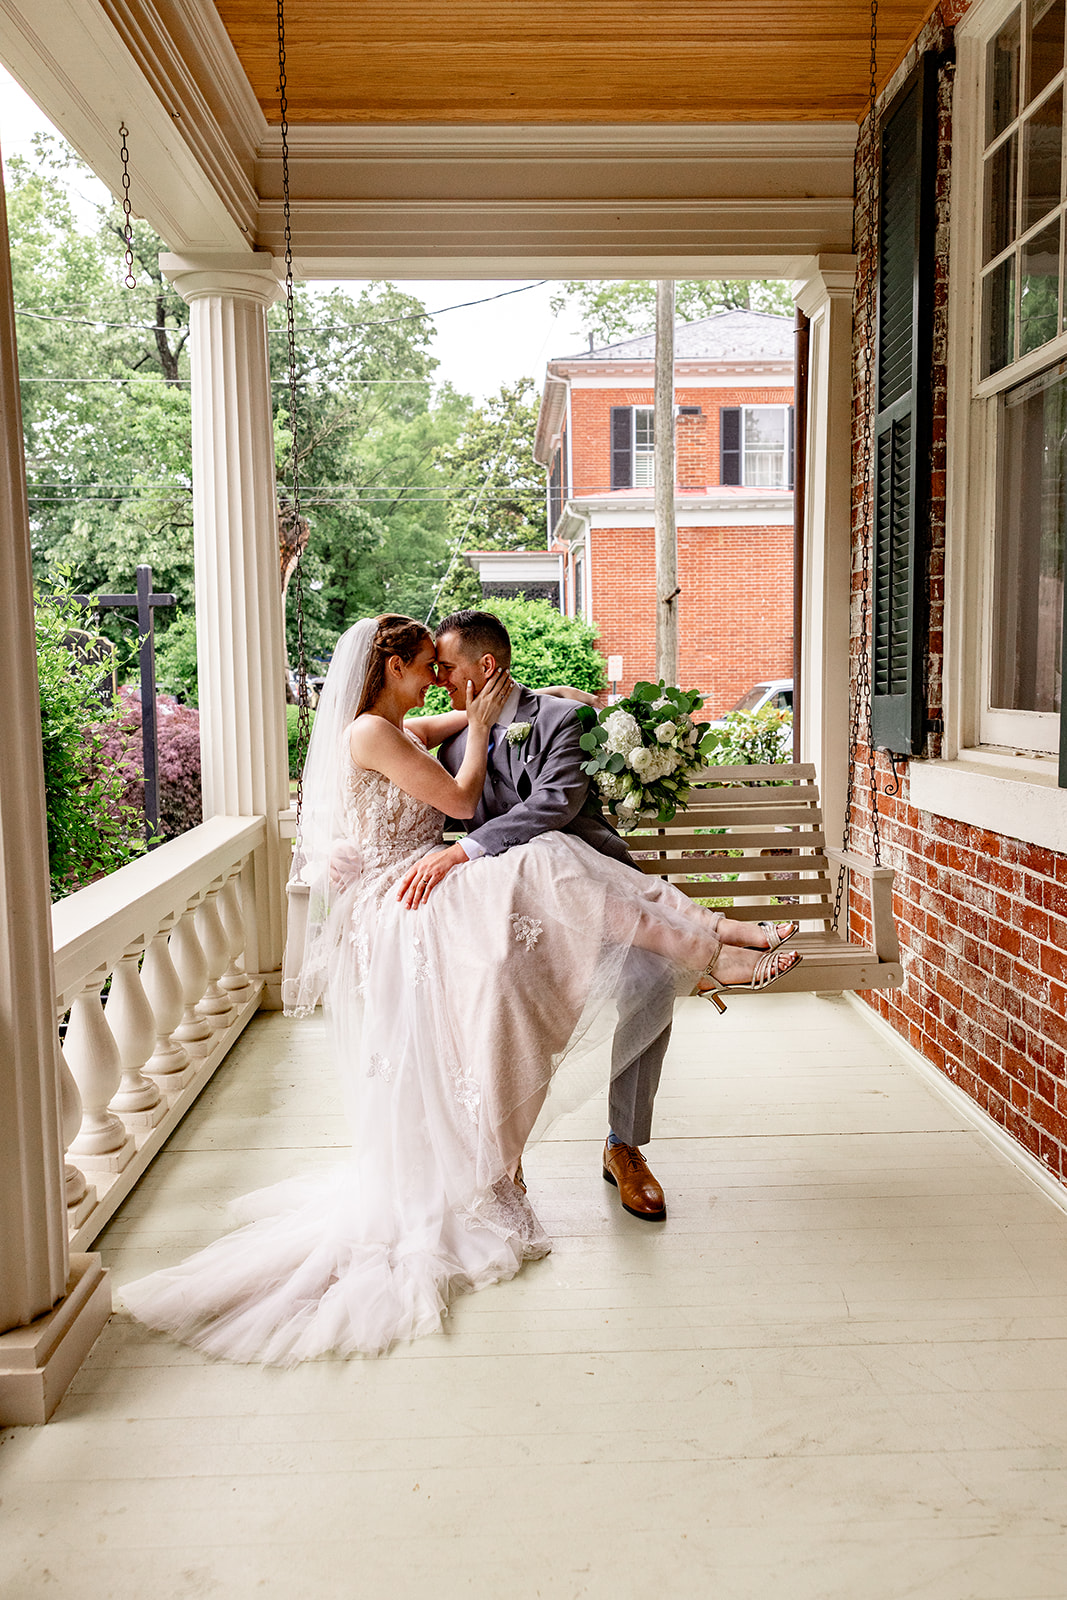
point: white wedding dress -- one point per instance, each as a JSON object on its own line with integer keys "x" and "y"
{"x": 450, "y": 1024}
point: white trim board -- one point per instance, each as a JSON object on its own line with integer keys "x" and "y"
{"x": 1006, "y": 798}
{"x": 961, "y": 1102}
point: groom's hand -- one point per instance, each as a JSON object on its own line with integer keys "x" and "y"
{"x": 427, "y": 873}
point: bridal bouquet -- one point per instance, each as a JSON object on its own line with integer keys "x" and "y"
{"x": 643, "y": 751}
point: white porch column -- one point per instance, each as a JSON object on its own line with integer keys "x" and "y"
{"x": 240, "y": 642}
{"x": 825, "y": 296}
{"x": 51, "y": 1307}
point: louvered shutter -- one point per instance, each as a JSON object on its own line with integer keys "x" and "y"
{"x": 730, "y": 444}
{"x": 902, "y": 412}
{"x": 790, "y": 447}
{"x": 622, "y": 447}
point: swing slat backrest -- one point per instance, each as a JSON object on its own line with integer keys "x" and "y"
{"x": 752, "y": 843}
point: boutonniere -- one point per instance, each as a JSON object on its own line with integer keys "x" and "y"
{"x": 517, "y": 732}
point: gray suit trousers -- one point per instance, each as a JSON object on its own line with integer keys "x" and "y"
{"x": 635, "y": 1077}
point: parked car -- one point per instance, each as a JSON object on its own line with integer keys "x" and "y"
{"x": 776, "y": 692}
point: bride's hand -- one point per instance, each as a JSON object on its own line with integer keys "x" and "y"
{"x": 484, "y": 708}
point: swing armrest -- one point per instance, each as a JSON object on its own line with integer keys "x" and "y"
{"x": 883, "y": 927}
{"x": 855, "y": 863}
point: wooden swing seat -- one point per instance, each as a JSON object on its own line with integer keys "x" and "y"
{"x": 751, "y": 842}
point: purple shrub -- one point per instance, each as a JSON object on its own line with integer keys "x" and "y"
{"x": 178, "y": 728}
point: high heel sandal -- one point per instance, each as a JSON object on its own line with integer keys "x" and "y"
{"x": 774, "y": 939}
{"x": 768, "y": 970}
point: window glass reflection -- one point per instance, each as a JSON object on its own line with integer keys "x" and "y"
{"x": 1046, "y": 45}
{"x": 1000, "y": 198}
{"x": 1043, "y": 160}
{"x": 1002, "y": 78}
{"x": 1028, "y": 583}
{"x": 1039, "y": 287}
{"x": 998, "y": 317}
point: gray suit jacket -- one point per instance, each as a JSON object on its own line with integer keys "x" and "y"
{"x": 537, "y": 786}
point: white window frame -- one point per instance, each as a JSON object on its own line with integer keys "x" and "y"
{"x": 647, "y": 454}
{"x": 784, "y": 409}
{"x": 972, "y": 722}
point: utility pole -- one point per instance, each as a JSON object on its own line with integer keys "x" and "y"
{"x": 667, "y": 590}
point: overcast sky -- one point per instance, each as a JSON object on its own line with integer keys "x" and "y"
{"x": 479, "y": 348}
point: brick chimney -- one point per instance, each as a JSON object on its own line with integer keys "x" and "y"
{"x": 691, "y": 448}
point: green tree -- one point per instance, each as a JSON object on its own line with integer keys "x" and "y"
{"x": 498, "y": 489}
{"x": 612, "y": 310}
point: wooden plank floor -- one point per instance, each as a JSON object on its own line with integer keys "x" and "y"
{"x": 837, "y": 1372}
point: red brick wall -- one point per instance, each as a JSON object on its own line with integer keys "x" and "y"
{"x": 591, "y": 429}
{"x": 735, "y": 611}
{"x": 982, "y": 917}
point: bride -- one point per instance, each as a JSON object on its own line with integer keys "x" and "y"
{"x": 461, "y": 1028}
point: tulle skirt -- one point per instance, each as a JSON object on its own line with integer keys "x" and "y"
{"x": 461, "y": 1031}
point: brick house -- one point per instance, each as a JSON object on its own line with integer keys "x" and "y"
{"x": 734, "y": 453}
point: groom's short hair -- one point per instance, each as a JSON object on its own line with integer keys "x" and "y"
{"x": 480, "y": 633}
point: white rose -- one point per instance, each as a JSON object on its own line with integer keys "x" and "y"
{"x": 666, "y": 732}
{"x": 640, "y": 759}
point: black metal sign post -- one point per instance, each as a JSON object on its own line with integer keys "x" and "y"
{"x": 145, "y": 602}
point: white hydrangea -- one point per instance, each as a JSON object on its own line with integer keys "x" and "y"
{"x": 623, "y": 733}
{"x": 611, "y": 786}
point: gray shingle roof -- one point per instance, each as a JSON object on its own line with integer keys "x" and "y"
{"x": 727, "y": 336}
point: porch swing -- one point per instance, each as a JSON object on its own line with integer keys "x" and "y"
{"x": 754, "y": 840}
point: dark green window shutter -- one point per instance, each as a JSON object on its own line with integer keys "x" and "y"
{"x": 902, "y": 412}
{"x": 790, "y": 447}
{"x": 622, "y": 447}
{"x": 730, "y": 444}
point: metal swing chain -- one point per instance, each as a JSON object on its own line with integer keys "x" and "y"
{"x": 303, "y": 724}
{"x": 861, "y": 701}
{"x": 130, "y": 279}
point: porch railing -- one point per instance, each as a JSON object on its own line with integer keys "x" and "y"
{"x": 168, "y": 931}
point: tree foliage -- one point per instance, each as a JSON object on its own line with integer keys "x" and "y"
{"x": 92, "y": 826}
{"x": 549, "y": 648}
{"x": 621, "y": 309}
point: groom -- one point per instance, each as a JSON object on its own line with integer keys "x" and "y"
{"x": 542, "y": 789}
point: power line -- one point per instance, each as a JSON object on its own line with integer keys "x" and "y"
{"x": 374, "y": 322}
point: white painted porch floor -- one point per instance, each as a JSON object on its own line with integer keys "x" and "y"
{"x": 837, "y": 1372}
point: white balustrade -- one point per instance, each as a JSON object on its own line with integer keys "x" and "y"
{"x": 133, "y": 1069}
{"x": 81, "y": 1196}
{"x": 215, "y": 1006}
{"x": 193, "y": 1031}
{"x": 234, "y": 980}
{"x": 133, "y": 1026}
{"x": 102, "y": 1143}
{"x": 170, "y": 1063}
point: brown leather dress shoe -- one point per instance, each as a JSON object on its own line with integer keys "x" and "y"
{"x": 641, "y": 1195}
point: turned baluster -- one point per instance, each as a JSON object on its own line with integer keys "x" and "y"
{"x": 216, "y": 1006}
{"x": 81, "y": 1195}
{"x": 102, "y": 1143}
{"x": 193, "y": 1031}
{"x": 131, "y": 1020}
{"x": 234, "y": 980}
{"x": 169, "y": 1063}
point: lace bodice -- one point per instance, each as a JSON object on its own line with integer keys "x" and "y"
{"x": 388, "y": 825}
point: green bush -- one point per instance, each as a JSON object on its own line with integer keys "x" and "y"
{"x": 550, "y": 648}
{"x": 749, "y": 738}
{"x": 92, "y": 826}
{"x": 176, "y": 659}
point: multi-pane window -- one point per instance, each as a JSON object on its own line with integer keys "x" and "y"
{"x": 755, "y": 444}
{"x": 1023, "y": 189}
{"x": 764, "y": 433}
{"x": 644, "y": 448}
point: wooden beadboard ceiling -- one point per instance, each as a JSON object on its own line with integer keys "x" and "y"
{"x": 568, "y": 61}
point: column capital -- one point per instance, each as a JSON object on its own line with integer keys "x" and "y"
{"x": 239, "y": 274}
{"x": 826, "y": 278}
